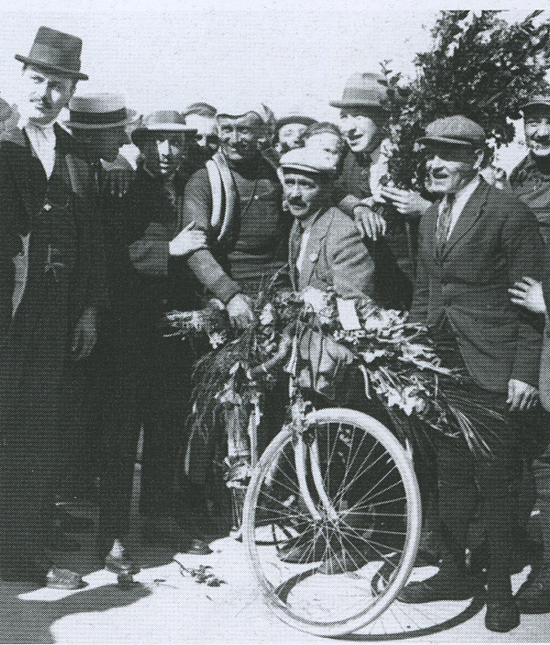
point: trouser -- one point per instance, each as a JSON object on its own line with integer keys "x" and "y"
{"x": 541, "y": 471}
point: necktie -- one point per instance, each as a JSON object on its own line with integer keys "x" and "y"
{"x": 444, "y": 223}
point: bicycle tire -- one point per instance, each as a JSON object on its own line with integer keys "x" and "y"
{"x": 309, "y": 594}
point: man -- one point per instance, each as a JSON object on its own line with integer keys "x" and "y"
{"x": 289, "y": 130}
{"x": 236, "y": 201}
{"x": 51, "y": 287}
{"x": 363, "y": 118}
{"x": 202, "y": 117}
{"x": 325, "y": 247}
{"x": 530, "y": 179}
{"x": 473, "y": 245}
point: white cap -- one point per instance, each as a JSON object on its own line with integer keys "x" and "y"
{"x": 309, "y": 160}
{"x": 97, "y": 111}
{"x": 241, "y": 109}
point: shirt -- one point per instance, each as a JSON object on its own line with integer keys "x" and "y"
{"x": 306, "y": 232}
{"x": 461, "y": 197}
{"x": 43, "y": 141}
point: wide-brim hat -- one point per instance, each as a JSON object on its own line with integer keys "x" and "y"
{"x": 309, "y": 160}
{"x": 55, "y": 51}
{"x": 161, "y": 121}
{"x": 455, "y": 130}
{"x": 536, "y": 100}
{"x": 364, "y": 90}
{"x": 99, "y": 112}
{"x": 294, "y": 118}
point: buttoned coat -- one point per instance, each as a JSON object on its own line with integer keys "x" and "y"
{"x": 494, "y": 243}
{"x": 334, "y": 257}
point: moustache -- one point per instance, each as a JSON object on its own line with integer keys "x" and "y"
{"x": 44, "y": 103}
{"x": 296, "y": 202}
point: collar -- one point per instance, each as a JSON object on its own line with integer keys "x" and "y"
{"x": 308, "y": 223}
{"x": 464, "y": 194}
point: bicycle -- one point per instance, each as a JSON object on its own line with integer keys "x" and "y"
{"x": 339, "y": 486}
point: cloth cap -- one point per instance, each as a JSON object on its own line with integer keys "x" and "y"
{"x": 98, "y": 112}
{"x": 161, "y": 121}
{"x": 457, "y": 130}
{"x": 310, "y": 160}
{"x": 294, "y": 117}
{"x": 364, "y": 90}
{"x": 55, "y": 51}
{"x": 537, "y": 99}
{"x": 242, "y": 109}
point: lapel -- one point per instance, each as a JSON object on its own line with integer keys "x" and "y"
{"x": 293, "y": 250}
{"x": 319, "y": 230}
{"x": 471, "y": 213}
{"x": 28, "y": 172}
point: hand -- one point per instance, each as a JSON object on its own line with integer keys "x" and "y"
{"x": 85, "y": 334}
{"x": 239, "y": 309}
{"x": 369, "y": 223}
{"x": 521, "y": 396}
{"x": 189, "y": 240}
{"x": 528, "y": 294}
{"x": 117, "y": 181}
{"x": 407, "y": 202}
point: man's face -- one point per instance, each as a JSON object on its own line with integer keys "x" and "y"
{"x": 450, "y": 167}
{"x": 239, "y": 136}
{"x": 163, "y": 152}
{"x": 305, "y": 194}
{"x": 362, "y": 128}
{"x": 537, "y": 130}
{"x": 105, "y": 144}
{"x": 289, "y": 135}
{"x": 44, "y": 94}
{"x": 327, "y": 142}
{"x": 207, "y": 132}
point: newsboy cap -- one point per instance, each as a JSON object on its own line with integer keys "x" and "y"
{"x": 55, "y": 51}
{"x": 364, "y": 90}
{"x": 536, "y": 99}
{"x": 294, "y": 117}
{"x": 308, "y": 159}
{"x": 457, "y": 130}
{"x": 98, "y": 112}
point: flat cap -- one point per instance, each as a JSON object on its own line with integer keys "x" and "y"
{"x": 457, "y": 130}
{"x": 310, "y": 160}
{"x": 536, "y": 99}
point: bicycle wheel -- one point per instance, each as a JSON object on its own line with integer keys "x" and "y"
{"x": 331, "y": 559}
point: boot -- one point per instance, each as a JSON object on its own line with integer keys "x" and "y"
{"x": 534, "y": 598}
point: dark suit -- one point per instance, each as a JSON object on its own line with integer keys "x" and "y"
{"x": 462, "y": 295}
{"x": 64, "y": 277}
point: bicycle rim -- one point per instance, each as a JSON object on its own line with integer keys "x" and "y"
{"x": 349, "y": 563}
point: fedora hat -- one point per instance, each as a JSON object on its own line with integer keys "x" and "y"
{"x": 161, "y": 121}
{"x": 455, "y": 130}
{"x": 364, "y": 90}
{"x": 56, "y": 52}
{"x": 98, "y": 112}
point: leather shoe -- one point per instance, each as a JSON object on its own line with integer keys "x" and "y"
{"x": 121, "y": 564}
{"x": 71, "y": 523}
{"x": 342, "y": 562}
{"x": 440, "y": 587}
{"x": 303, "y": 549}
{"x": 194, "y": 546}
{"x": 502, "y": 616}
{"x": 534, "y": 598}
{"x": 63, "y": 579}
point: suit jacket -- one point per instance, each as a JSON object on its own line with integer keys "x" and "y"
{"x": 23, "y": 186}
{"x": 335, "y": 257}
{"x": 494, "y": 243}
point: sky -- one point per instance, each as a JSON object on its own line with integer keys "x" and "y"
{"x": 288, "y": 54}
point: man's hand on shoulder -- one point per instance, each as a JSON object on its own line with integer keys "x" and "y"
{"x": 240, "y": 311}
{"x": 369, "y": 223}
{"x": 189, "y": 240}
{"x": 406, "y": 202}
{"x": 521, "y": 396}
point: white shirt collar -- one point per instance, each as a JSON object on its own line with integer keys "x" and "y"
{"x": 43, "y": 141}
{"x": 460, "y": 199}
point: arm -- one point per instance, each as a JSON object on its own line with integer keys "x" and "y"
{"x": 197, "y": 208}
{"x": 524, "y": 251}
{"x": 348, "y": 259}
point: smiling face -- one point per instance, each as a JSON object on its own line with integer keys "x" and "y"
{"x": 239, "y": 136}
{"x": 450, "y": 167}
{"x": 537, "y": 129}
{"x": 44, "y": 94}
{"x": 163, "y": 152}
{"x": 305, "y": 193}
{"x": 362, "y": 128}
{"x": 207, "y": 132}
{"x": 289, "y": 135}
